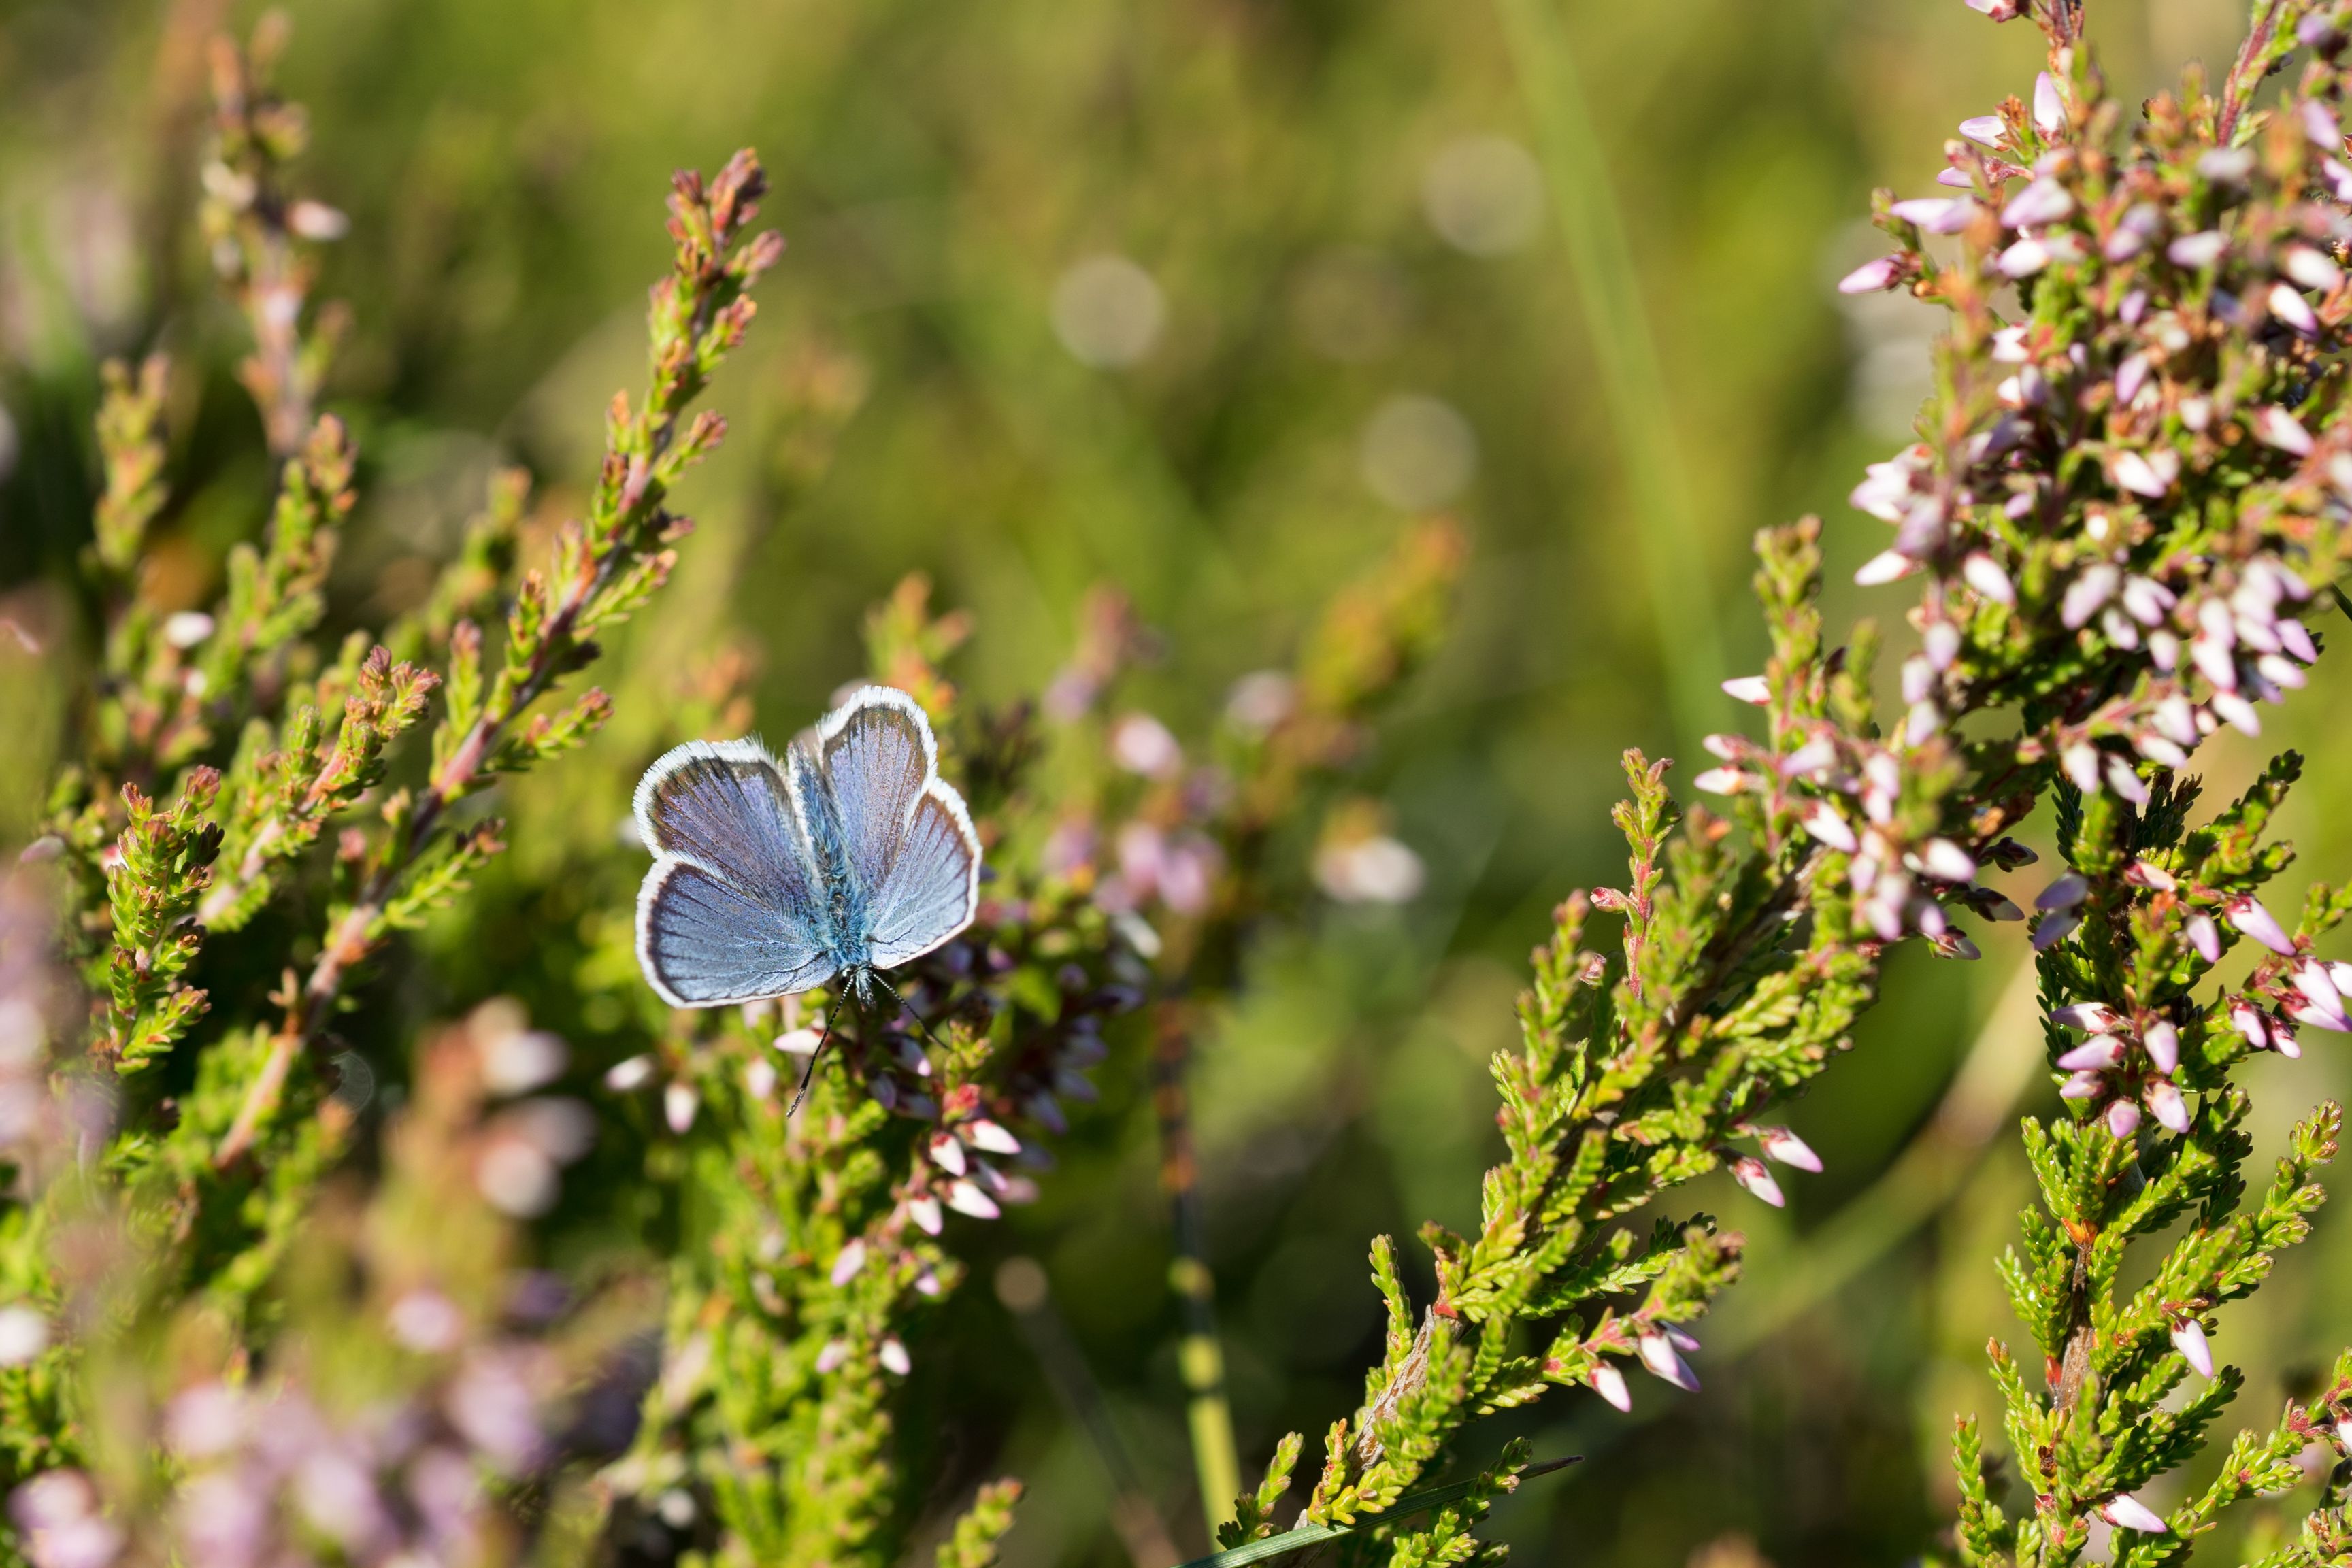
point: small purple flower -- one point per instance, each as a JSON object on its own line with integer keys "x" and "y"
{"x": 2065, "y": 893}
{"x": 2162, "y": 1042}
{"x": 2045, "y": 201}
{"x": 2205, "y": 936}
{"x": 2164, "y": 1103}
{"x": 1871, "y": 276}
{"x": 2123, "y": 1119}
{"x": 1666, "y": 1362}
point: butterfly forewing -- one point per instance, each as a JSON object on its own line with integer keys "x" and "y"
{"x": 933, "y": 887}
{"x": 725, "y": 808}
{"x": 877, "y": 756}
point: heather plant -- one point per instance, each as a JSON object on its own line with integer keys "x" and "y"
{"x": 284, "y": 1256}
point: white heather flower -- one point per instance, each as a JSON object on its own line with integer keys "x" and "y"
{"x": 24, "y": 1334}
{"x": 947, "y": 1154}
{"x": 1888, "y": 566}
{"x": 1753, "y": 689}
{"x": 2276, "y": 427}
{"x": 2246, "y": 913}
{"x": 1984, "y": 129}
{"x": 965, "y": 1198}
{"x": 2146, "y": 600}
{"x": 1666, "y": 1362}
{"x": 2162, "y": 1042}
{"x": 2188, "y": 1339}
{"x": 1781, "y": 1145}
{"x": 2293, "y": 309}
{"x": 925, "y": 1212}
{"x": 989, "y": 1137}
{"x": 893, "y": 1358}
{"x": 851, "y": 1259}
{"x": 1750, "y": 1173}
{"x": 1829, "y": 828}
{"x": 1610, "y": 1384}
{"x": 630, "y": 1073}
{"x": 680, "y": 1104}
{"x": 2125, "y": 1511}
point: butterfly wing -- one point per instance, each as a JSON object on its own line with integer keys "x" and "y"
{"x": 904, "y": 833}
{"x": 877, "y": 754}
{"x": 728, "y": 913}
{"x": 933, "y": 888}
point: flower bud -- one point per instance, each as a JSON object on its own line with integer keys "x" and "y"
{"x": 1749, "y": 1172}
{"x": 2162, "y": 1042}
{"x": 1666, "y": 1362}
{"x": 2123, "y": 1119}
{"x": 2188, "y": 1339}
{"x": 2247, "y": 914}
{"x": 1781, "y": 1145}
{"x": 852, "y": 1259}
{"x": 2164, "y": 1102}
{"x": 2125, "y": 1511}
{"x": 1610, "y": 1384}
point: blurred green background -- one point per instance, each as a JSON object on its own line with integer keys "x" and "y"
{"x": 1205, "y": 298}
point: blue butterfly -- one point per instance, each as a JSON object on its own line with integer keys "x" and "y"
{"x": 849, "y": 857}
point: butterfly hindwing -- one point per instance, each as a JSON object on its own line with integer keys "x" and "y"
{"x": 731, "y": 909}
{"x": 702, "y": 941}
{"x": 933, "y": 887}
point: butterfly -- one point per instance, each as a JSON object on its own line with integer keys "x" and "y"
{"x": 848, "y": 857}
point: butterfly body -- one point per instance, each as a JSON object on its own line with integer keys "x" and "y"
{"x": 845, "y": 858}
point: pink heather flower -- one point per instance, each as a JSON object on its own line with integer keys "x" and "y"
{"x": 831, "y": 1358}
{"x": 1941, "y": 642}
{"x": 1666, "y": 1362}
{"x": 2053, "y": 928}
{"x": 2188, "y": 1339}
{"x": 2247, "y": 914}
{"x": 2130, "y": 377}
{"x": 2045, "y": 201}
{"x": 1753, "y": 689}
{"x": 2281, "y": 671}
{"x": 2163, "y": 1045}
{"x": 2093, "y": 1016}
{"x": 947, "y": 1154}
{"x": 2147, "y": 873}
{"x": 1141, "y": 744}
{"x": 2283, "y": 1040}
{"x": 2342, "y": 975}
{"x": 2293, "y": 309}
{"x": 1610, "y": 1384}
{"x": 2319, "y": 123}
{"x": 2318, "y": 1017}
{"x": 2084, "y": 1085}
{"x": 2125, "y": 1511}
{"x": 2164, "y": 1103}
{"x": 2049, "y": 109}
{"x": 1871, "y": 276}
{"x": 2123, "y": 1119}
{"x": 1721, "y": 781}
{"x": 1681, "y": 1341}
{"x": 2248, "y": 1021}
{"x": 1781, "y": 1143}
{"x": 965, "y": 1198}
{"x": 2297, "y": 642}
{"x": 2094, "y": 586}
{"x": 1985, "y": 575}
{"x": 2318, "y": 988}
{"x": 2197, "y": 251}
{"x": 1955, "y": 945}
{"x": 2312, "y": 268}
{"x": 894, "y": 1357}
{"x": 2095, "y": 1054}
{"x": 925, "y": 1212}
{"x": 2081, "y": 761}
{"x": 1827, "y": 827}
{"x": 679, "y": 1102}
{"x": 1935, "y": 214}
{"x": 2126, "y": 781}
{"x": 2146, "y": 600}
{"x": 1984, "y": 129}
{"x": 1750, "y": 1173}
{"x": 2276, "y": 427}
{"x": 851, "y": 1259}
{"x": 2205, "y": 936}
{"x": 2065, "y": 893}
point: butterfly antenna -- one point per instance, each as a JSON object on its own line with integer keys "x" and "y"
{"x": 810, "y": 1071}
{"x": 911, "y": 1013}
